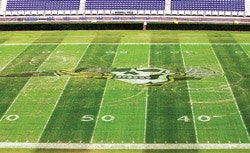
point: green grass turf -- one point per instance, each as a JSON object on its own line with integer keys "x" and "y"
{"x": 126, "y": 102}
{"x": 38, "y": 98}
{"x": 29, "y": 60}
{"x": 168, "y": 103}
{"x": 235, "y": 63}
{"x": 209, "y": 100}
{"x": 86, "y": 100}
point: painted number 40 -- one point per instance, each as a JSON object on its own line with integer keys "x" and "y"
{"x": 202, "y": 118}
{"x": 105, "y": 118}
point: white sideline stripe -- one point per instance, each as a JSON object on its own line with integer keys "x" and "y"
{"x": 13, "y": 59}
{"x": 101, "y": 105}
{"x": 231, "y": 91}
{"x": 7, "y": 44}
{"x": 60, "y": 95}
{"x": 190, "y": 99}
{"x": 124, "y": 146}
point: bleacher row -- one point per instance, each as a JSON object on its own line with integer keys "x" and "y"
{"x": 178, "y": 7}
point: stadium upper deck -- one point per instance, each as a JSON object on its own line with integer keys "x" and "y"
{"x": 134, "y": 7}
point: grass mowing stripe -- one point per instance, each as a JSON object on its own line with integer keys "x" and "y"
{"x": 246, "y": 49}
{"x": 8, "y": 54}
{"x": 232, "y": 62}
{"x": 212, "y": 101}
{"x": 190, "y": 97}
{"x": 6, "y": 122}
{"x": 146, "y": 105}
{"x": 79, "y": 104}
{"x": 124, "y": 101}
{"x": 70, "y": 49}
{"x": 168, "y": 103}
{"x": 21, "y": 64}
{"x": 101, "y": 105}
{"x": 98, "y": 114}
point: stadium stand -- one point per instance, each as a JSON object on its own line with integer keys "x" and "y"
{"x": 16, "y": 5}
{"x": 209, "y": 5}
{"x": 125, "y": 7}
{"x": 125, "y": 4}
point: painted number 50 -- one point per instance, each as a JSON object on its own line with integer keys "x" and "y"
{"x": 105, "y": 118}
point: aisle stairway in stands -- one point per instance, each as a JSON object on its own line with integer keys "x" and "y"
{"x": 2, "y": 6}
{"x": 247, "y": 7}
{"x": 82, "y": 5}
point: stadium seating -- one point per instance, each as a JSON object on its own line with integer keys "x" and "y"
{"x": 15, "y": 5}
{"x": 125, "y": 4}
{"x": 209, "y": 5}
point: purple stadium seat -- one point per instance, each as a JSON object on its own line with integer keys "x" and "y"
{"x": 211, "y": 5}
{"x": 125, "y": 5}
{"x": 14, "y": 5}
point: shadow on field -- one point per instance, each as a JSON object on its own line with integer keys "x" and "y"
{"x": 107, "y": 38}
{"x": 51, "y": 37}
{"x": 221, "y": 37}
{"x": 164, "y": 37}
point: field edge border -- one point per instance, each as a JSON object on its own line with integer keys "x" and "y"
{"x": 213, "y": 146}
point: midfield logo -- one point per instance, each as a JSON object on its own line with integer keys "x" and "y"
{"x": 139, "y": 76}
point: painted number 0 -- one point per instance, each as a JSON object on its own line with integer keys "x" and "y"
{"x": 12, "y": 117}
{"x": 204, "y": 118}
{"x": 105, "y": 118}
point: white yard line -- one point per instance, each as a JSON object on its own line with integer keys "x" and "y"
{"x": 138, "y": 43}
{"x": 232, "y": 94}
{"x": 211, "y": 146}
{"x": 47, "y": 58}
{"x": 245, "y": 52}
{"x": 60, "y": 95}
{"x": 190, "y": 99}
{"x": 146, "y": 103}
{"x": 13, "y": 58}
{"x": 20, "y": 92}
{"x": 101, "y": 105}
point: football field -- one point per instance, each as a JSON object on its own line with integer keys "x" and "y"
{"x": 125, "y": 90}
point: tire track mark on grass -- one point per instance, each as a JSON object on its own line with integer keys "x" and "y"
{"x": 168, "y": 103}
{"x": 23, "y": 89}
{"x": 101, "y": 105}
{"x": 20, "y": 64}
{"x": 60, "y": 95}
{"x": 232, "y": 94}
{"x": 74, "y": 116}
{"x": 190, "y": 98}
{"x": 10, "y": 61}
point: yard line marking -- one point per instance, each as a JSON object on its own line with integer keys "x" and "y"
{"x": 47, "y": 58}
{"x": 232, "y": 94}
{"x": 13, "y": 58}
{"x": 190, "y": 99}
{"x": 20, "y": 92}
{"x": 101, "y": 105}
{"x": 146, "y": 103}
{"x": 60, "y": 95}
{"x": 212, "y": 146}
{"x": 79, "y": 43}
{"x": 245, "y": 52}
{"x": 57, "y": 100}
